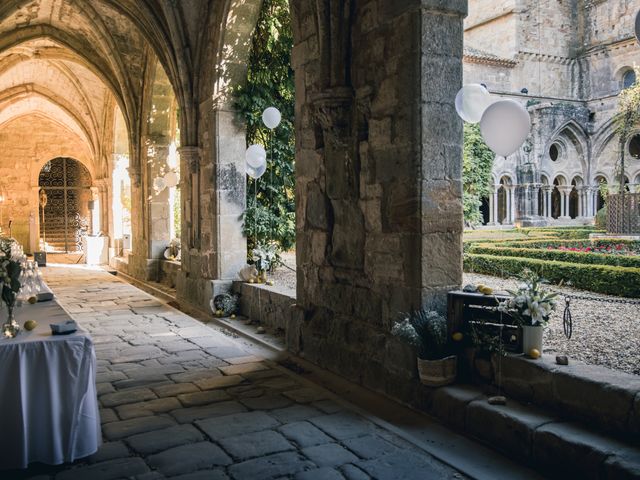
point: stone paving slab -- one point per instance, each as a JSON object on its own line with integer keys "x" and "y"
{"x": 181, "y": 399}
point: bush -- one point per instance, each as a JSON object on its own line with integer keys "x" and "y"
{"x": 558, "y": 255}
{"x": 546, "y": 243}
{"x": 620, "y": 281}
{"x": 601, "y": 218}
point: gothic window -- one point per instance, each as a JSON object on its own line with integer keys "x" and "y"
{"x": 628, "y": 79}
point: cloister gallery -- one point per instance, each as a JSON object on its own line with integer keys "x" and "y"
{"x": 121, "y": 147}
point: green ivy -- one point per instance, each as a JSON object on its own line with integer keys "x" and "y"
{"x": 270, "y": 82}
{"x": 476, "y": 173}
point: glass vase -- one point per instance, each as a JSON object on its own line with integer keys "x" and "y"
{"x": 10, "y": 328}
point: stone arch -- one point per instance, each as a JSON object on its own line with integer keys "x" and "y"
{"x": 576, "y": 148}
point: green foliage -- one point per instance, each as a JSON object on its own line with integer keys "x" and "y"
{"x": 620, "y": 281}
{"x": 558, "y": 255}
{"x": 426, "y": 332}
{"x": 10, "y": 270}
{"x": 477, "y": 162}
{"x": 270, "y": 82}
{"x": 601, "y": 217}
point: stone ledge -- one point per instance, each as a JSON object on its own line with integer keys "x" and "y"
{"x": 608, "y": 399}
{"x": 271, "y": 306}
{"x": 535, "y": 437}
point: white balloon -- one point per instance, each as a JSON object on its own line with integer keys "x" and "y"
{"x": 638, "y": 26}
{"x": 271, "y": 117}
{"x": 258, "y": 171}
{"x": 171, "y": 179}
{"x": 256, "y": 154}
{"x": 471, "y": 102}
{"x": 159, "y": 184}
{"x": 505, "y": 126}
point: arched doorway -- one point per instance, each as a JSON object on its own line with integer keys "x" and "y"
{"x": 556, "y": 200}
{"x": 67, "y": 214}
{"x": 602, "y": 184}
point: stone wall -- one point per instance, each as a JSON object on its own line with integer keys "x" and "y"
{"x": 27, "y": 143}
{"x": 378, "y": 179}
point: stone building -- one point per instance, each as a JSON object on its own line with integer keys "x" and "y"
{"x": 103, "y": 99}
{"x": 567, "y": 62}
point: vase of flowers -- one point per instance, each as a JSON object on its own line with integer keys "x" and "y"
{"x": 531, "y": 306}
{"x": 10, "y": 268}
{"x": 426, "y": 332}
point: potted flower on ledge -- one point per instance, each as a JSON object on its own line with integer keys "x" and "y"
{"x": 426, "y": 332}
{"x": 531, "y": 306}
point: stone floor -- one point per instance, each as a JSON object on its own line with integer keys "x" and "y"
{"x": 185, "y": 400}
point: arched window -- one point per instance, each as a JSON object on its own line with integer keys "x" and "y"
{"x": 628, "y": 79}
{"x": 634, "y": 146}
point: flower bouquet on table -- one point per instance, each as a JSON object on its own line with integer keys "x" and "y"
{"x": 10, "y": 268}
{"x": 265, "y": 259}
{"x": 531, "y": 306}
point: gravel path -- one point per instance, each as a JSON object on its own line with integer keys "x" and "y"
{"x": 604, "y": 333}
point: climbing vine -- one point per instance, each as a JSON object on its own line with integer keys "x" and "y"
{"x": 476, "y": 173}
{"x": 270, "y": 214}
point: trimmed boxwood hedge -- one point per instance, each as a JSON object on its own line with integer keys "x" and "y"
{"x": 558, "y": 255}
{"x": 544, "y": 243}
{"x": 620, "y": 281}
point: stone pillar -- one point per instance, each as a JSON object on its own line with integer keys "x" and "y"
{"x": 493, "y": 207}
{"x": 378, "y": 170}
{"x": 546, "y": 200}
{"x": 565, "y": 191}
{"x": 511, "y": 205}
{"x": 229, "y": 201}
{"x": 159, "y": 209}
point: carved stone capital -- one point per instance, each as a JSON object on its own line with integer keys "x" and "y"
{"x": 333, "y": 111}
{"x": 192, "y": 156}
{"x": 134, "y": 175}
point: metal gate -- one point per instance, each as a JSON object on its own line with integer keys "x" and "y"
{"x": 66, "y": 216}
{"x": 623, "y": 216}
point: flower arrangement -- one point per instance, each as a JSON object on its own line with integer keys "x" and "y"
{"x": 530, "y": 304}
{"x": 265, "y": 257}
{"x": 425, "y": 331}
{"x": 10, "y": 269}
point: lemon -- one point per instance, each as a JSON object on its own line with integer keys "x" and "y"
{"x": 480, "y": 286}
{"x": 33, "y": 300}
{"x": 219, "y": 313}
{"x": 233, "y": 315}
{"x": 457, "y": 337}
{"x": 486, "y": 290}
{"x": 270, "y": 283}
{"x": 534, "y": 353}
{"x": 30, "y": 325}
{"x": 251, "y": 280}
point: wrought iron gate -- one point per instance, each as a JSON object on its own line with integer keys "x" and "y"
{"x": 66, "y": 216}
{"x": 623, "y": 216}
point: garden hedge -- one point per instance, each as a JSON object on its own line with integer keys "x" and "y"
{"x": 544, "y": 243}
{"x": 558, "y": 255}
{"x": 620, "y": 281}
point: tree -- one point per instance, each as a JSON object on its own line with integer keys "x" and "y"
{"x": 270, "y": 213}
{"x": 476, "y": 173}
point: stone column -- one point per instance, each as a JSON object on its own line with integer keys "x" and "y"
{"x": 378, "y": 178}
{"x": 493, "y": 206}
{"x": 511, "y": 205}
{"x": 546, "y": 200}
{"x": 565, "y": 191}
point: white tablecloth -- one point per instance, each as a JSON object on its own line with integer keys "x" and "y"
{"x": 48, "y": 404}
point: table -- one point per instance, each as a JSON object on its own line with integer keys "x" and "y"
{"x": 48, "y": 404}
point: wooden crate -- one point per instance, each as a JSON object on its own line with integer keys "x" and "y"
{"x": 466, "y": 309}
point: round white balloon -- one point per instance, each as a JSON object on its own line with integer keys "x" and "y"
{"x": 256, "y": 155}
{"x": 159, "y": 184}
{"x": 171, "y": 179}
{"x": 258, "y": 171}
{"x": 505, "y": 126}
{"x": 471, "y": 102}
{"x": 638, "y": 26}
{"x": 271, "y": 117}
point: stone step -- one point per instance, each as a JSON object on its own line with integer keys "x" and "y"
{"x": 598, "y": 396}
{"x": 537, "y": 437}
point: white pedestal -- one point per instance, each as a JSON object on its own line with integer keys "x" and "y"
{"x": 96, "y": 250}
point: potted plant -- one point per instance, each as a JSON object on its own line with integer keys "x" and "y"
{"x": 426, "y": 332}
{"x": 530, "y": 305}
{"x": 265, "y": 258}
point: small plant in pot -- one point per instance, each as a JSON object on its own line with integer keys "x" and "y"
{"x": 426, "y": 332}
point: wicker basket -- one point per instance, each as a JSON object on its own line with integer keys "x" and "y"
{"x": 436, "y": 373}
